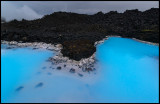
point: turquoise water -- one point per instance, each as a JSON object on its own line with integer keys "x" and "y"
{"x": 17, "y": 67}
{"x": 128, "y": 71}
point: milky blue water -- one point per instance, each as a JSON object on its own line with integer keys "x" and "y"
{"x": 18, "y": 66}
{"x": 128, "y": 71}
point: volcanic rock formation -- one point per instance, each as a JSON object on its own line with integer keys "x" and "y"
{"x": 78, "y": 32}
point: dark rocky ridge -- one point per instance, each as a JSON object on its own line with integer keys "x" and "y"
{"x": 78, "y": 32}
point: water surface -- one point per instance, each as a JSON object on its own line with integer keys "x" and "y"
{"x": 128, "y": 71}
{"x": 18, "y": 65}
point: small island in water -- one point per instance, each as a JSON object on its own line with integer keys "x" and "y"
{"x": 108, "y": 56}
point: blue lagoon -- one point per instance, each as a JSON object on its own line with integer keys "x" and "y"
{"x": 128, "y": 71}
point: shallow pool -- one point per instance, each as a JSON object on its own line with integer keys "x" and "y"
{"x": 18, "y": 65}
{"x": 128, "y": 71}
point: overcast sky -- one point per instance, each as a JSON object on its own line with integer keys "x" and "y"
{"x": 36, "y": 9}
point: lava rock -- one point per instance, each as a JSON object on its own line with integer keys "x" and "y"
{"x": 78, "y": 49}
{"x": 34, "y": 48}
{"x": 88, "y": 69}
{"x": 39, "y": 85}
{"x": 19, "y": 88}
{"x": 59, "y": 68}
{"x": 72, "y": 70}
{"x": 81, "y": 75}
{"x": 9, "y": 48}
{"x": 78, "y": 32}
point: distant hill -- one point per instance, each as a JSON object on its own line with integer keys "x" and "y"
{"x": 3, "y": 19}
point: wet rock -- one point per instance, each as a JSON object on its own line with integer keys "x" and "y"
{"x": 94, "y": 69}
{"x": 39, "y": 85}
{"x": 59, "y": 68}
{"x": 81, "y": 75}
{"x": 19, "y": 88}
{"x": 72, "y": 70}
{"x": 83, "y": 69}
{"x": 9, "y": 48}
{"x": 88, "y": 69}
{"x": 34, "y": 48}
{"x": 49, "y": 59}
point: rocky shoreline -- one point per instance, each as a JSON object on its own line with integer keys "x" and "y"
{"x": 152, "y": 43}
{"x": 86, "y": 65}
{"x": 78, "y": 33}
{"x": 83, "y": 65}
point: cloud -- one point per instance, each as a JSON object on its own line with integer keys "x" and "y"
{"x": 36, "y": 9}
{"x": 10, "y": 11}
{"x": 87, "y": 7}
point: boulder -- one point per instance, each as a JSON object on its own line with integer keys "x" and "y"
{"x": 59, "y": 67}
